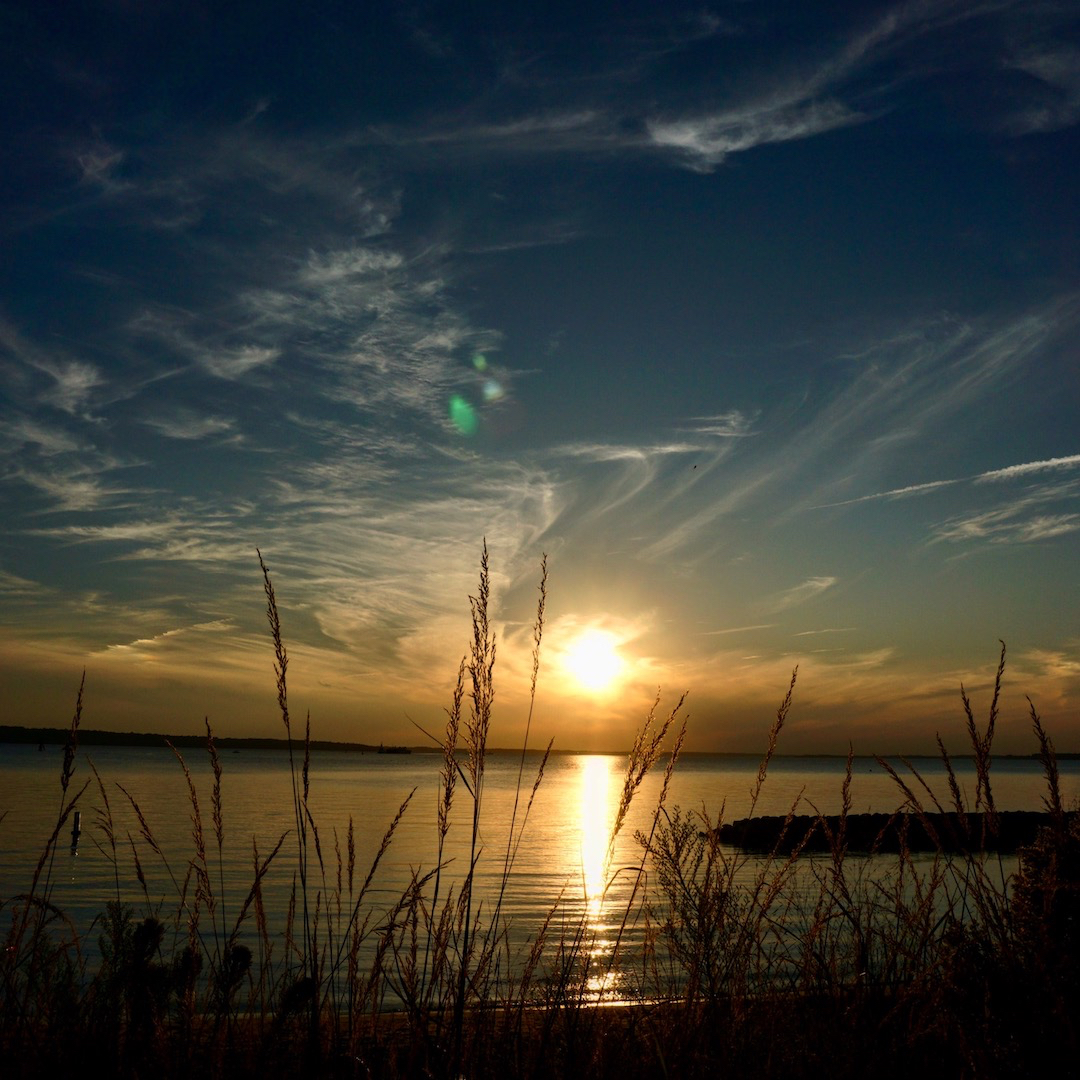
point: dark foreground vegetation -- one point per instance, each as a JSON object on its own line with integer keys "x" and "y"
{"x": 946, "y": 832}
{"x": 957, "y": 962}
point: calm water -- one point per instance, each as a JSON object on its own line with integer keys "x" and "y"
{"x": 561, "y": 858}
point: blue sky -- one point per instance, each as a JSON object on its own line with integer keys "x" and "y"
{"x": 761, "y": 320}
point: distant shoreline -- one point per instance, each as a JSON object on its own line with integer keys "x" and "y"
{"x": 92, "y": 737}
{"x": 95, "y": 737}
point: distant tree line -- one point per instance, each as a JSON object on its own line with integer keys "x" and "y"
{"x": 89, "y": 737}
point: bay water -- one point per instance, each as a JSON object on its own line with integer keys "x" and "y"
{"x": 565, "y": 867}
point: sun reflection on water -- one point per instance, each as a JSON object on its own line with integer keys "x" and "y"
{"x": 597, "y": 809}
{"x": 595, "y": 822}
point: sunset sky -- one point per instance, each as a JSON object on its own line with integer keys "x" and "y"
{"x": 760, "y": 319}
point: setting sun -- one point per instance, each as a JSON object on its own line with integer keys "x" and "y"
{"x": 593, "y": 661}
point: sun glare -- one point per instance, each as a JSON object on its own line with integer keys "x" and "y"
{"x": 593, "y": 661}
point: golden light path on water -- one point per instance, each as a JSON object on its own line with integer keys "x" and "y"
{"x": 597, "y": 800}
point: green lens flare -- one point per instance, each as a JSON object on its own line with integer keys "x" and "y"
{"x": 462, "y": 415}
{"x": 479, "y": 361}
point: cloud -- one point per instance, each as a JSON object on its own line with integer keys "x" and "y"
{"x": 382, "y": 332}
{"x": 785, "y": 105}
{"x": 1011, "y": 472}
{"x": 669, "y": 504}
{"x": 1055, "y": 663}
{"x": 537, "y": 133}
{"x": 1022, "y": 521}
{"x": 70, "y": 381}
{"x": 146, "y": 646}
{"x": 195, "y": 533}
{"x": 330, "y": 268}
{"x": 857, "y": 83}
{"x": 794, "y": 105}
{"x": 1000, "y": 527}
{"x": 25, "y": 431}
{"x": 703, "y": 142}
{"x": 893, "y": 493}
{"x": 183, "y": 334}
{"x": 739, "y": 629}
{"x": 700, "y": 140}
{"x": 1053, "y": 102}
{"x": 236, "y": 363}
{"x": 11, "y": 585}
{"x": 910, "y": 388}
{"x": 1045, "y": 527}
{"x": 874, "y": 658}
{"x": 74, "y": 381}
{"x": 71, "y": 488}
{"x": 810, "y": 589}
{"x": 99, "y": 165}
{"x": 190, "y": 426}
{"x": 729, "y": 425}
{"x": 643, "y": 485}
{"x": 611, "y": 452}
{"x": 377, "y": 329}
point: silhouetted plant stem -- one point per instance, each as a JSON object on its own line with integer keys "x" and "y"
{"x": 281, "y": 664}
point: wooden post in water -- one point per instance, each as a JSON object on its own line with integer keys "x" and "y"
{"x": 76, "y": 829}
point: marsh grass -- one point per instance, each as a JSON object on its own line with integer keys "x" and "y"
{"x": 782, "y": 964}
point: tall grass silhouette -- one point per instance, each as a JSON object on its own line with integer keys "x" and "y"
{"x": 774, "y": 963}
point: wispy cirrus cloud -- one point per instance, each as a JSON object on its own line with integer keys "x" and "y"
{"x": 703, "y": 142}
{"x": 908, "y": 387}
{"x": 145, "y": 646}
{"x": 74, "y": 381}
{"x": 69, "y": 381}
{"x": 381, "y": 330}
{"x": 201, "y": 534}
{"x": 857, "y": 83}
{"x": 610, "y": 452}
{"x": 671, "y": 501}
{"x": 376, "y": 325}
{"x": 893, "y": 493}
{"x": 544, "y": 132}
{"x": 11, "y": 585}
{"x": 808, "y": 590}
{"x": 331, "y": 268}
{"x": 1053, "y": 102}
{"x": 189, "y": 426}
{"x": 235, "y": 363}
{"x": 74, "y": 487}
{"x": 1015, "y": 523}
{"x": 794, "y": 105}
{"x": 827, "y": 88}
{"x": 1012, "y": 472}
{"x": 17, "y": 432}
{"x": 180, "y": 332}
{"x": 700, "y": 140}
{"x": 739, "y": 629}
{"x": 1009, "y": 472}
{"x": 728, "y": 425}
{"x": 99, "y": 166}
{"x": 1056, "y": 663}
